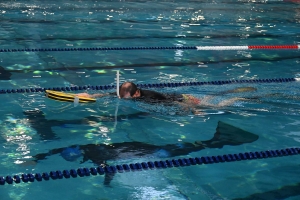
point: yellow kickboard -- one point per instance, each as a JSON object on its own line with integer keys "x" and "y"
{"x": 69, "y": 97}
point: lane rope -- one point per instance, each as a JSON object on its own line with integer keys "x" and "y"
{"x": 152, "y": 85}
{"x": 216, "y": 48}
{"x": 135, "y": 167}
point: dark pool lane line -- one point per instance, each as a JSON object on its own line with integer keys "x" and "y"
{"x": 135, "y": 167}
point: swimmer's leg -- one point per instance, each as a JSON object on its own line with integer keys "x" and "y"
{"x": 194, "y": 105}
{"x": 238, "y": 90}
{"x": 205, "y": 102}
{"x": 189, "y": 107}
{"x": 185, "y": 107}
{"x": 229, "y": 102}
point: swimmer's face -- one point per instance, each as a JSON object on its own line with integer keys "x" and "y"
{"x": 126, "y": 96}
{"x": 135, "y": 95}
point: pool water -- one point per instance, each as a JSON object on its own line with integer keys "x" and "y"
{"x": 42, "y": 135}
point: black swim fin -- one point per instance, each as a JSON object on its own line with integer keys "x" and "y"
{"x": 228, "y": 135}
{"x": 4, "y": 74}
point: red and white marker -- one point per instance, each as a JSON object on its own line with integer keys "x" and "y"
{"x": 271, "y": 47}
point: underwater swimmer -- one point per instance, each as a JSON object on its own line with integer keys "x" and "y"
{"x": 129, "y": 90}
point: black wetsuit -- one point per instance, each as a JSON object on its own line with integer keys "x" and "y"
{"x": 150, "y": 96}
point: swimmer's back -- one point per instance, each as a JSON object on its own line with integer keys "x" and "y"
{"x": 150, "y": 96}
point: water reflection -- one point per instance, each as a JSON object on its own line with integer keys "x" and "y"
{"x": 18, "y": 135}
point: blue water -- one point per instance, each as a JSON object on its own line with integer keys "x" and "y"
{"x": 42, "y": 135}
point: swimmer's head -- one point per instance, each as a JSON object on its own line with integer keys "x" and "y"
{"x": 129, "y": 90}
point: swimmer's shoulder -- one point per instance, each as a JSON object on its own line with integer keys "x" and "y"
{"x": 150, "y": 94}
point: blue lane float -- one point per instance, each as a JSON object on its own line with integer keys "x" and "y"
{"x": 99, "y": 49}
{"x": 151, "y": 85}
{"x": 216, "y": 48}
{"x": 135, "y": 167}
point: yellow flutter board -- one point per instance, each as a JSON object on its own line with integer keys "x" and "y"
{"x": 69, "y": 97}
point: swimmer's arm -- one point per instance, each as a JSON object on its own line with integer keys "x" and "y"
{"x": 92, "y": 95}
{"x": 99, "y": 95}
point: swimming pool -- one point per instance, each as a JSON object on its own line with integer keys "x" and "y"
{"x": 41, "y": 135}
